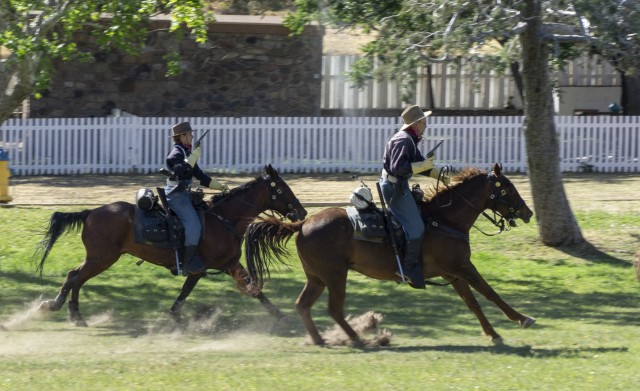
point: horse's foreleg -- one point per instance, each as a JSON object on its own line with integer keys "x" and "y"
{"x": 309, "y": 295}
{"x": 187, "y": 287}
{"x": 469, "y": 299}
{"x": 479, "y": 284}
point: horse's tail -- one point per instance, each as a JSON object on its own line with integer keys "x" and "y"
{"x": 264, "y": 241}
{"x": 59, "y": 223}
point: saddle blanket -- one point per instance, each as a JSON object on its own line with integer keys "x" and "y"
{"x": 154, "y": 228}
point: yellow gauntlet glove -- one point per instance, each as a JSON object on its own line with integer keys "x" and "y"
{"x": 418, "y": 167}
{"x": 215, "y": 185}
{"x": 193, "y": 158}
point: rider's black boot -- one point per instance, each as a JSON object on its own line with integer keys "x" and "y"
{"x": 412, "y": 264}
{"x": 192, "y": 264}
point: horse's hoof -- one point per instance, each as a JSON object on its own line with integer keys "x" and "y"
{"x": 79, "y": 323}
{"x": 49, "y": 305}
{"x": 527, "y": 322}
{"x": 317, "y": 342}
{"x": 498, "y": 341}
{"x": 358, "y": 344}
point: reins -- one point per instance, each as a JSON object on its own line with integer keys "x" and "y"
{"x": 497, "y": 223}
{"x": 273, "y": 189}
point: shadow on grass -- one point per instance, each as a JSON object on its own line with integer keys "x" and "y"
{"x": 140, "y": 299}
{"x": 592, "y": 254}
{"x": 522, "y": 351}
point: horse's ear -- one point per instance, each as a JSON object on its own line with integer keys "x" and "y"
{"x": 497, "y": 169}
{"x": 271, "y": 171}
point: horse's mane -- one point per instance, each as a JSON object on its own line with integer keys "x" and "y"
{"x": 435, "y": 198}
{"x": 219, "y": 198}
{"x": 458, "y": 179}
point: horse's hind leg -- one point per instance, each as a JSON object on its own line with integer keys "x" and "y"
{"x": 91, "y": 267}
{"x": 58, "y": 302}
{"x": 72, "y": 284}
{"x": 242, "y": 279}
{"x": 337, "y": 293}
{"x": 309, "y": 295}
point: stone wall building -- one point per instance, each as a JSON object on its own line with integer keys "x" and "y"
{"x": 249, "y": 66}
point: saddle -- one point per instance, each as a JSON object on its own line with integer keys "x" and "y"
{"x": 159, "y": 227}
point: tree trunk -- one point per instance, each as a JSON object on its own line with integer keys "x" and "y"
{"x": 17, "y": 80}
{"x": 556, "y": 223}
{"x": 630, "y": 100}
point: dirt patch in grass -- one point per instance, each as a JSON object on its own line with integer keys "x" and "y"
{"x": 614, "y": 193}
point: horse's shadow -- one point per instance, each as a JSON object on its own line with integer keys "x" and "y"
{"x": 522, "y": 351}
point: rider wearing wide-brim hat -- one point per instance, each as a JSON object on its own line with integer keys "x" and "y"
{"x": 401, "y": 160}
{"x": 182, "y": 161}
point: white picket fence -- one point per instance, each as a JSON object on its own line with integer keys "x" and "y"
{"x": 54, "y": 146}
{"x": 451, "y": 85}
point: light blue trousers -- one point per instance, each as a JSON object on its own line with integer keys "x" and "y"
{"x": 403, "y": 206}
{"x": 180, "y": 203}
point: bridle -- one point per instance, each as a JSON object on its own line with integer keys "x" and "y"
{"x": 497, "y": 197}
{"x": 276, "y": 192}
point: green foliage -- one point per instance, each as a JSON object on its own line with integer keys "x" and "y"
{"x": 617, "y": 24}
{"x": 35, "y": 33}
{"x": 416, "y": 33}
{"x": 256, "y": 7}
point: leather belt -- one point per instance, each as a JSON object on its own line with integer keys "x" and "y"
{"x": 389, "y": 177}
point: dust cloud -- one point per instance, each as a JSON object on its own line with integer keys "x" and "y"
{"x": 366, "y": 325}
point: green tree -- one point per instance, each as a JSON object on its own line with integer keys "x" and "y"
{"x": 616, "y": 25}
{"x": 538, "y": 34}
{"x": 251, "y": 7}
{"x": 34, "y": 33}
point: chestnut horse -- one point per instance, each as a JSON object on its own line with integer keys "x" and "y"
{"x": 327, "y": 248}
{"x": 108, "y": 232}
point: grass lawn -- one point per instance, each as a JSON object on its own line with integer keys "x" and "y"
{"x": 586, "y": 300}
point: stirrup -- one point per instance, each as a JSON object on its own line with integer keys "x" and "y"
{"x": 406, "y": 278}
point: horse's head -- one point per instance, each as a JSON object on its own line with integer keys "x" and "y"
{"x": 505, "y": 199}
{"x": 282, "y": 199}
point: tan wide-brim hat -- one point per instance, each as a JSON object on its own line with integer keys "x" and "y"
{"x": 181, "y": 128}
{"x": 413, "y": 114}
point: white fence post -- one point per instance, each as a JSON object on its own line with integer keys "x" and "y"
{"x": 306, "y": 145}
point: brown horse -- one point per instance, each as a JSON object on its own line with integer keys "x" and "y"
{"x": 108, "y": 232}
{"x": 327, "y": 248}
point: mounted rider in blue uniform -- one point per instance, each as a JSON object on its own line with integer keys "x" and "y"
{"x": 182, "y": 162}
{"x": 401, "y": 160}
